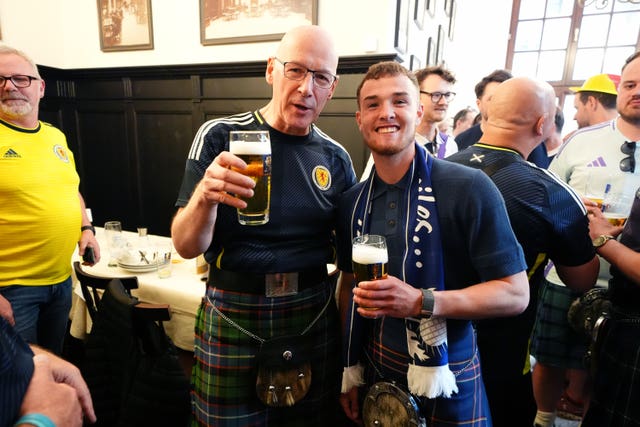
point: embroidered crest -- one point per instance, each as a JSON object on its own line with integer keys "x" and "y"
{"x": 61, "y": 152}
{"x": 321, "y": 177}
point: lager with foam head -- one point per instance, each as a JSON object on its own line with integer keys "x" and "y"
{"x": 369, "y": 258}
{"x": 254, "y": 147}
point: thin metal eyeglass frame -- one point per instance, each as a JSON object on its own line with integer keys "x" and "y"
{"x": 4, "y": 79}
{"x": 313, "y": 73}
{"x": 437, "y": 96}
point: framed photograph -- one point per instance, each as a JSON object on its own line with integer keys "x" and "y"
{"x": 414, "y": 63}
{"x": 248, "y": 21}
{"x": 452, "y": 19}
{"x": 430, "y": 5}
{"x": 125, "y": 25}
{"x": 418, "y": 13}
{"x": 447, "y": 7}
{"x": 440, "y": 47}
{"x": 402, "y": 25}
{"x": 431, "y": 52}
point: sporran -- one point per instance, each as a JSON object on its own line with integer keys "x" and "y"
{"x": 387, "y": 405}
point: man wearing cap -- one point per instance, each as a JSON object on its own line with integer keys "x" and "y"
{"x": 595, "y": 100}
{"x": 598, "y": 153}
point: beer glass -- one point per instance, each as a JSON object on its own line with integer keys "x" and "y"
{"x": 254, "y": 147}
{"x": 369, "y": 258}
{"x": 616, "y": 207}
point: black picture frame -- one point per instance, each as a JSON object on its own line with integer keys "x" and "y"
{"x": 402, "y": 26}
{"x": 431, "y": 52}
{"x": 222, "y": 23}
{"x": 125, "y": 26}
{"x": 452, "y": 20}
{"x": 447, "y": 7}
{"x": 430, "y": 6}
{"x": 414, "y": 63}
{"x": 419, "y": 10}
{"x": 440, "y": 46}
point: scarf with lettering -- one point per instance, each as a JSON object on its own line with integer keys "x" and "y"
{"x": 428, "y": 374}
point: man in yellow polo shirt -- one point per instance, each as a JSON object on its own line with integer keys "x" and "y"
{"x": 42, "y": 214}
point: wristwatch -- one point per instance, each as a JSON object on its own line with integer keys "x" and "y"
{"x": 601, "y": 240}
{"x": 88, "y": 227}
{"x": 427, "y": 303}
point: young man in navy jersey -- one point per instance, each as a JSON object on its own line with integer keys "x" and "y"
{"x": 309, "y": 172}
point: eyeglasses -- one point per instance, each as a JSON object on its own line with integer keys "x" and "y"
{"x": 628, "y": 164}
{"x": 297, "y": 72}
{"x": 18, "y": 80}
{"x": 437, "y": 96}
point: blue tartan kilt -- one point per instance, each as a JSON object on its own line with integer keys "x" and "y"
{"x": 224, "y": 374}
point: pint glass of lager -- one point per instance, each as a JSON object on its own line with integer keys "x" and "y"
{"x": 369, "y": 258}
{"x": 254, "y": 147}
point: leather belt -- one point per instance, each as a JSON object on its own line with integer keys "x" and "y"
{"x": 255, "y": 283}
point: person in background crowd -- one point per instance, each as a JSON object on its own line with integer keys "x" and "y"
{"x": 548, "y": 219}
{"x": 484, "y": 90}
{"x": 436, "y": 92}
{"x": 38, "y": 389}
{"x": 452, "y": 257}
{"x": 463, "y": 120}
{"x": 561, "y": 382}
{"x": 42, "y": 214}
{"x": 554, "y": 140}
{"x": 309, "y": 172}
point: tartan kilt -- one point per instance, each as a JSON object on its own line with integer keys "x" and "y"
{"x": 616, "y": 384}
{"x": 224, "y": 374}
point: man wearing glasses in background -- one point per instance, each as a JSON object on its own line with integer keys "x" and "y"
{"x": 42, "y": 214}
{"x": 605, "y": 154}
{"x": 309, "y": 172}
{"x": 436, "y": 84}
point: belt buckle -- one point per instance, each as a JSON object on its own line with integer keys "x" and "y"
{"x": 281, "y": 284}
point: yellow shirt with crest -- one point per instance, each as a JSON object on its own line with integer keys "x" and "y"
{"x": 40, "y": 215}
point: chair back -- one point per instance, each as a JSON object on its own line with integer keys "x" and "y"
{"x": 90, "y": 283}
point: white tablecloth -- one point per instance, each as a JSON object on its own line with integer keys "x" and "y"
{"x": 183, "y": 291}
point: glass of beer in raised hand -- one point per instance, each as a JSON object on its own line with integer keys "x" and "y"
{"x": 369, "y": 258}
{"x": 616, "y": 207}
{"x": 254, "y": 147}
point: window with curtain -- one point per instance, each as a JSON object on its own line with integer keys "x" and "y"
{"x": 567, "y": 41}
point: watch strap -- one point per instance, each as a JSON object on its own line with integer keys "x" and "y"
{"x": 428, "y": 302}
{"x": 88, "y": 227}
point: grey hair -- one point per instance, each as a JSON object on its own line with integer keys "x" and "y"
{"x": 8, "y": 50}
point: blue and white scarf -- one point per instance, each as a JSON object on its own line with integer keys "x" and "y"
{"x": 428, "y": 374}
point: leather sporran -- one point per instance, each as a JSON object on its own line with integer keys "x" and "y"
{"x": 387, "y": 405}
{"x": 587, "y": 309}
{"x": 284, "y": 370}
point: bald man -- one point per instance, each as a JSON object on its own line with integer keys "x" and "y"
{"x": 549, "y": 221}
{"x": 268, "y": 281}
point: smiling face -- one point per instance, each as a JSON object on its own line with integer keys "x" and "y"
{"x": 295, "y": 105}
{"x": 388, "y": 114}
{"x": 19, "y": 105}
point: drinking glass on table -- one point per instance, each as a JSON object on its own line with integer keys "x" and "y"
{"x": 113, "y": 235}
{"x": 369, "y": 258}
{"x": 163, "y": 258}
{"x": 254, "y": 147}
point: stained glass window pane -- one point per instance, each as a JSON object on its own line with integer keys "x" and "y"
{"x": 529, "y": 33}
{"x": 624, "y": 29}
{"x": 551, "y": 65}
{"x": 598, "y": 6}
{"x": 625, "y": 6}
{"x": 531, "y": 9}
{"x": 556, "y": 33}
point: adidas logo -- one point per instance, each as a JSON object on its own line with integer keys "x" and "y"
{"x": 597, "y": 163}
{"x": 10, "y": 154}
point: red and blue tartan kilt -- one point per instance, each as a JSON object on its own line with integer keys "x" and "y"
{"x": 224, "y": 374}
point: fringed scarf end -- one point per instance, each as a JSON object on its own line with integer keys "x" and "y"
{"x": 431, "y": 381}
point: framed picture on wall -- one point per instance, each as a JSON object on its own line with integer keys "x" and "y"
{"x": 440, "y": 47}
{"x": 225, "y": 22}
{"x": 431, "y": 52}
{"x": 414, "y": 63}
{"x": 447, "y": 7}
{"x": 418, "y": 13}
{"x": 125, "y": 25}
{"x": 430, "y": 5}
{"x": 402, "y": 25}
{"x": 452, "y": 19}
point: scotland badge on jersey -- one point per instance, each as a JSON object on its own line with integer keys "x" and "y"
{"x": 321, "y": 177}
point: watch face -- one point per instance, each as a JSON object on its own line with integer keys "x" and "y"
{"x": 600, "y": 240}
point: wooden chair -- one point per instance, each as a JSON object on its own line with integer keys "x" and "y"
{"x": 91, "y": 283}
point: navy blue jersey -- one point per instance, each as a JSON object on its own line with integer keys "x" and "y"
{"x": 308, "y": 175}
